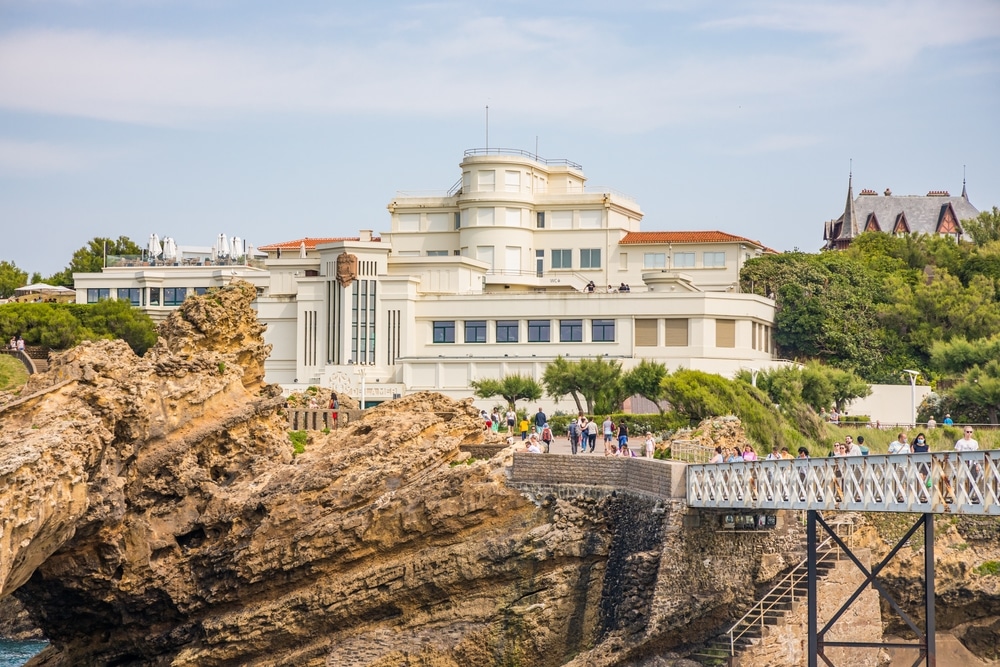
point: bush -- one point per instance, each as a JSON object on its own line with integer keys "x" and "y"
{"x": 990, "y": 568}
{"x": 299, "y": 440}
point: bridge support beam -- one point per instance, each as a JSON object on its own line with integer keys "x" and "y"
{"x": 818, "y": 643}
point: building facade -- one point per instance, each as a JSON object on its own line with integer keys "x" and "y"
{"x": 520, "y": 262}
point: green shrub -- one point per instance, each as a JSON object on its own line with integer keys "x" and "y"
{"x": 990, "y": 568}
{"x": 299, "y": 440}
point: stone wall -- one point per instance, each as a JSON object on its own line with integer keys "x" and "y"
{"x": 786, "y": 644}
{"x": 661, "y": 478}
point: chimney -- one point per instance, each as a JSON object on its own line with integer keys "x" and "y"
{"x": 938, "y": 193}
{"x": 366, "y": 236}
{"x": 888, "y": 192}
{"x": 868, "y": 193}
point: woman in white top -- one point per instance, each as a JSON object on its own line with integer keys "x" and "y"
{"x": 650, "y": 445}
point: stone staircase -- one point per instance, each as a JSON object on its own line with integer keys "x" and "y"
{"x": 768, "y": 611}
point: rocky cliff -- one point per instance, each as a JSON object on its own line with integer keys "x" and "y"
{"x": 152, "y": 513}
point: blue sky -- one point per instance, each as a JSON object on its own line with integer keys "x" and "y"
{"x": 274, "y": 121}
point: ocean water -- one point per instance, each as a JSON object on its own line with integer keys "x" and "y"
{"x": 15, "y": 654}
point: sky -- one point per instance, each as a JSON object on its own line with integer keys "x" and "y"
{"x": 277, "y": 121}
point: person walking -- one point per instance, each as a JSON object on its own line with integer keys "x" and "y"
{"x": 592, "y": 434}
{"x": 540, "y": 420}
{"x": 609, "y": 435}
{"x": 573, "y": 431}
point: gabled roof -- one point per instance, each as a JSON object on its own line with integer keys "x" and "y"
{"x": 901, "y": 226}
{"x": 310, "y": 243}
{"x": 686, "y": 237}
{"x": 872, "y": 224}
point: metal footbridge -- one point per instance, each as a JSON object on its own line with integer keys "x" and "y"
{"x": 925, "y": 484}
{"x": 936, "y": 482}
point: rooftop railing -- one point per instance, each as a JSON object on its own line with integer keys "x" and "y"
{"x": 516, "y": 152}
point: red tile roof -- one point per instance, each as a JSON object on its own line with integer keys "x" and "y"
{"x": 686, "y": 237}
{"x": 310, "y": 243}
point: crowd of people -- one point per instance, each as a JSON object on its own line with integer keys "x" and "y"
{"x": 581, "y": 431}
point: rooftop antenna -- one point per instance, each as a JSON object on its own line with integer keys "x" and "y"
{"x": 536, "y": 146}
{"x": 487, "y": 127}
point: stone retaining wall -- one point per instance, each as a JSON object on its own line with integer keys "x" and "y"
{"x": 662, "y": 478}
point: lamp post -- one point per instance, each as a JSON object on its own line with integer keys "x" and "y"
{"x": 359, "y": 370}
{"x": 913, "y": 393}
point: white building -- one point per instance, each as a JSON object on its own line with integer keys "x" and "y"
{"x": 489, "y": 279}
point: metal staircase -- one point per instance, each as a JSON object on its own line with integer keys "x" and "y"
{"x": 769, "y": 610}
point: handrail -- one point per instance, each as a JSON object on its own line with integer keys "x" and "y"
{"x": 516, "y": 152}
{"x": 933, "y": 482}
{"x": 455, "y": 189}
{"x": 789, "y": 581}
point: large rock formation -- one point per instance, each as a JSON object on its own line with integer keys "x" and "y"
{"x": 152, "y": 512}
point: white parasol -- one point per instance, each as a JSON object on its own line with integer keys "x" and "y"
{"x": 237, "y": 248}
{"x": 154, "y": 246}
{"x": 302, "y": 250}
{"x": 222, "y": 246}
{"x": 169, "y": 249}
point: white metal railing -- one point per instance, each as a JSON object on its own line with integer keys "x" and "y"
{"x": 788, "y": 590}
{"x": 936, "y": 482}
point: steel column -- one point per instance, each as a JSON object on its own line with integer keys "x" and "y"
{"x": 811, "y": 556}
{"x": 930, "y": 627}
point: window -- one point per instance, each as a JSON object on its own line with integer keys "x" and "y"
{"x": 409, "y": 222}
{"x": 603, "y": 331}
{"x": 725, "y": 333}
{"x": 513, "y": 217}
{"x": 131, "y": 294}
{"x": 201, "y": 291}
{"x": 683, "y": 260}
{"x": 512, "y": 181}
{"x": 540, "y": 220}
{"x": 507, "y": 331}
{"x": 570, "y": 331}
{"x": 438, "y": 222}
{"x": 174, "y": 296}
{"x": 591, "y": 219}
{"x": 645, "y": 333}
{"x": 154, "y": 296}
{"x": 444, "y": 331}
{"x": 714, "y": 259}
{"x": 485, "y": 217}
{"x": 487, "y": 180}
{"x": 539, "y": 331}
{"x": 437, "y": 253}
{"x": 562, "y": 259}
{"x": 654, "y": 260}
{"x": 561, "y": 219}
{"x": 475, "y": 331}
{"x": 590, "y": 258}
{"x": 458, "y": 219}
{"x": 98, "y": 294}
{"x": 676, "y": 332}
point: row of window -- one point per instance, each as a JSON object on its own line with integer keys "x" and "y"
{"x": 590, "y": 258}
{"x": 538, "y": 331}
{"x": 172, "y": 296}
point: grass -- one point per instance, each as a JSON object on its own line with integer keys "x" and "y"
{"x": 13, "y": 374}
{"x": 299, "y": 439}
{"x": 940, "y": 439}
{"x": 989, "y": 568}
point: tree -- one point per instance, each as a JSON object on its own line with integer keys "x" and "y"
{"x": 512, "y": 388}
{"x": 560, "y": 379}
{"x": 600, "y": 382}
{"x": 90, "y": 258}
{"x": 646, "y": 380}
{"x": 984, "y": 228}
{"x": 117, "y": 319}
{"x": 11, "y": 278}
{"x": 981, "y": 388}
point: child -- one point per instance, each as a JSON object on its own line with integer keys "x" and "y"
{"x": 649, "y": 445}
{"x": 524, "y": 429}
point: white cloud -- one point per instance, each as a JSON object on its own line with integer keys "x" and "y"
{"x": 583, "y": 70}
